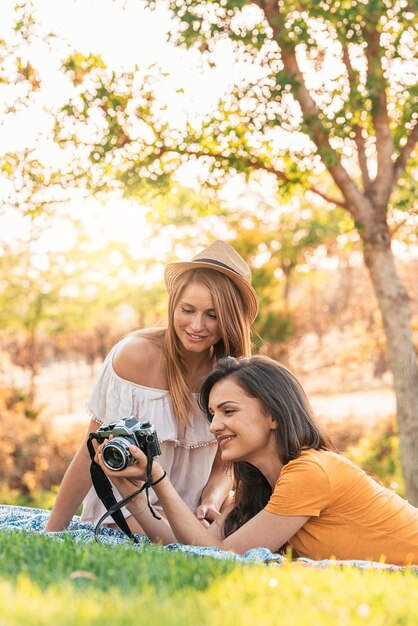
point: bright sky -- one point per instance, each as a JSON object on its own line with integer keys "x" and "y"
{"x": 123, "y": 38}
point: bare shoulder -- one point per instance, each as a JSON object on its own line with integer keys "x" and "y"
{"x": 140, "y": 359}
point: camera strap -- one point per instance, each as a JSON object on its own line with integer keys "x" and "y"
{"x": 104, "y": 490}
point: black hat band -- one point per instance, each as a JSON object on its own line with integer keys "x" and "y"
{"x": 213, "y": 262}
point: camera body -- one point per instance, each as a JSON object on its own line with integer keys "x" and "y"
{"x": 128, "y": 431}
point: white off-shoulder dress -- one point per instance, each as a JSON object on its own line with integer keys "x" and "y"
{"x": 187, "y": 453}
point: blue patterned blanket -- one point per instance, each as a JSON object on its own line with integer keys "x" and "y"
{"x": 30, "y": 520}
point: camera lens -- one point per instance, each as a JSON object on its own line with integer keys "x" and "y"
{"x": 115, "y": 454}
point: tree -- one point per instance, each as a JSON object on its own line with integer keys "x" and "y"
{"x": 360, "y": 117}
{"x": 322, "y": 91}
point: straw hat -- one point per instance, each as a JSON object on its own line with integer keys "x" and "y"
{"x": 222, "y": 257}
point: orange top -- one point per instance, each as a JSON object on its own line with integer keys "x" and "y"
{"x": 351, "y": 515}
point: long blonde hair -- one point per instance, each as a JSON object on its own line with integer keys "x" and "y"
{"x": 234, "y": 328}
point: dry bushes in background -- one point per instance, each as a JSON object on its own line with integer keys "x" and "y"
{"x": 33, "y": 458}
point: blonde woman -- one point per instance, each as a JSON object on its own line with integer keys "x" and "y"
{"x": 155, "y": 375}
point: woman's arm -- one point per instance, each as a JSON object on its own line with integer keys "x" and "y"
{"x": 158, "y": 530}
{"x": 215, "y": 493}
{"x": 73, "y": 488}
{"x": 264, "y": 529}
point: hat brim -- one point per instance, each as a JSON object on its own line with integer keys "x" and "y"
{"x": 249, "y": 296}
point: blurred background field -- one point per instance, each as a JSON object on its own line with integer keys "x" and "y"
{"x": 139, "y": 141}
{"x": 40, "y": 437}
{"x": 64, "y": 387}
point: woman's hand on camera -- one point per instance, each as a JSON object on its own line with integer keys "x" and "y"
{"x": 98, "y": 455}
{"x": 135, "y": 472}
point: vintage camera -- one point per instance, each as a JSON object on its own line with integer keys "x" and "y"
{"x": 127, "y": 432}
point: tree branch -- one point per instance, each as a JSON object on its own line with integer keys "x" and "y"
{"x": 377, "y": 86}
{"x": 276, "y": 19}
{"x": 358, "y": 130}
{"x": 398, "y": 226}
{"x": 362, "y": 159}
{"x": 327, "y": 198}
{"x": 255, "y": 164}
{"x": 282, "y": 176}
{"x": 400, "y": 163}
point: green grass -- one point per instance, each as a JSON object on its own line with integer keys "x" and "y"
{"x": 48, "y": 562}
{"x": 43, "y": 581}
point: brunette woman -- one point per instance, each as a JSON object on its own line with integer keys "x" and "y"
{"x": 292, "y": 486}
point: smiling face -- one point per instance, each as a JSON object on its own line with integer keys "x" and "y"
{"x": 243, "y": 429}
{"x": 195, "y": 321}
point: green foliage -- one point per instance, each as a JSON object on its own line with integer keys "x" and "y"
{"x": 79, "y": 65}
{"x": 183, "y": 207}
{"x": 325, "y": 77}
{"x": 39, "y": 498}
{"x": 378, "y": 454}
{"x": 287, "y": 240}
{"x": 19, "y": 401}
{"x": 46, "y": 581}
{"x": 276, "y": 326}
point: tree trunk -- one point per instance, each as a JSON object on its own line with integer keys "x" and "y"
{"x": 394, "y": 306}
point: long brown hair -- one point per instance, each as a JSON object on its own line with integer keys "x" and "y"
{"x": 234, "y": 328}
{"x": 281, "y": 397}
